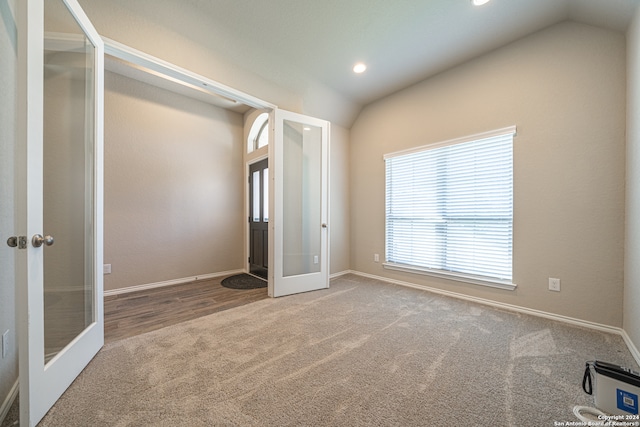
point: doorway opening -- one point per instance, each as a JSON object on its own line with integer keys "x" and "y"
{"x": 259, "y": 219}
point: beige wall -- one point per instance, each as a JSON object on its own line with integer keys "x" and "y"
{"x": 632, "y": 248}
{"x": 8, "y": 84}
{"x": 173, "y": 185}
{"x": 564, "y": 88}
{"x": 339, "y": 200}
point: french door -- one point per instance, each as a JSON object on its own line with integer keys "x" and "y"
{"x": 59, "y": 209}
{"x": 298, "y": 231}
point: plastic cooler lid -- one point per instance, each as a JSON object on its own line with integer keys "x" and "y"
{"x": 619, "y": 373}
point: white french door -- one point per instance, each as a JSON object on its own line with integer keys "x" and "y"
{"x": 59, "y": 209}
{"x": 298, "y": 231}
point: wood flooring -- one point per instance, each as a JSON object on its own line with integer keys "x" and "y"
{"x": 135, "y": 313}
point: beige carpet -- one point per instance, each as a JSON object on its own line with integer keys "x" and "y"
{"x": 363, "y": 353}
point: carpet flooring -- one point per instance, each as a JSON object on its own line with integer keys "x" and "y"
{"x": 362, "y": 353}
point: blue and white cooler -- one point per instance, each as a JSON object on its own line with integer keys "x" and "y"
{"x": 614, "y": 388}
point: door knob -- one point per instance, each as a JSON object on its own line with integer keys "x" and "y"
{"x": 12, "y": 242}
{"x": 38, "y": 240}
{"x": 324, "y": 225}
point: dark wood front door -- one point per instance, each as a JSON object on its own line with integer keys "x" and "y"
{"x": 259, "y": 218}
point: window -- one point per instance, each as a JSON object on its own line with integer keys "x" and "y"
{"x": 449, "y": 209}
{"x": 259, "y": 133}
{"x": 256, "y": 196}
{"x": 265, "y": 196}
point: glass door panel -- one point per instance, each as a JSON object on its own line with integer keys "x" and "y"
{"x": 69, "y": 99}
{"x": 8, "y": 168}
{"x": 302, "y": 145}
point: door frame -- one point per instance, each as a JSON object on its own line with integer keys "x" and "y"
{"x": 153, "y": 65}
{"x": 249, "y": 205}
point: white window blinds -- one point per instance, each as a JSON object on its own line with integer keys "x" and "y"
{"x": 449, "y": 206}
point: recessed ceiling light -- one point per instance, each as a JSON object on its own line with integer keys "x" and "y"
{"x": 359, "y": 68}
{"x": 479, "y": 2}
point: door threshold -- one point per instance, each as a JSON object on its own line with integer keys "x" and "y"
{"x": 257, "y": 277}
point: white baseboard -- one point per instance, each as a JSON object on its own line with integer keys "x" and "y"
{"x": 519, "y": 309}
{"x": 11, "y": 397}
{"x": 170, "y": 282}
{"x": 631, "y": 346}
{"x": 340, "y": 273}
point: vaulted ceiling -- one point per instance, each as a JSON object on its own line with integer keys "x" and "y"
{"x": 306, "y": 49}
{"x": 402, "y": 41}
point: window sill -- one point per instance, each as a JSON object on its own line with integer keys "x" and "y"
{"x": 476, "y": 280}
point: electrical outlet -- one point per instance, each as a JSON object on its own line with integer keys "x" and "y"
{"x": 315, "y": 259}
{"x": 106, "y": 269}
{"x": 554, "y": 284}
{"x": 376, "y": 258}
{"x": 5, "y": 344}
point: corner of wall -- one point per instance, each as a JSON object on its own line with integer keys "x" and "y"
{"x": 340, "y": 200}
{"x": 631, "y": 301}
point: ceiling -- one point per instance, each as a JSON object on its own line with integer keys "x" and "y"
{"x": 402, "y": 42}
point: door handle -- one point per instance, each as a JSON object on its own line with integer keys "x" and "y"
{"x": 38, "y": 240}
{"x": 19, "y": 242}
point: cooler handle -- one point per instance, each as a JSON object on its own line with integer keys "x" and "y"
{"x": 586, "y": 380}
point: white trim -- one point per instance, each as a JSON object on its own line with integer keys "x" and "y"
{"x": 509, "y": 130}
{"x": 11, "y": 397}
{"x": 254, "y": 131}
{"x": 256, "y": 276}
{"x": 340, "y": 274}
{"x": 327, "y": 222}
{"x": 458, "y": 277}
{"x": 180, "y": 281}
{"x": 167, "y": 69}
{"x": 64, "y": 42}
{"x": 255, "y": 160}
{"x": 504, "y": 306}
